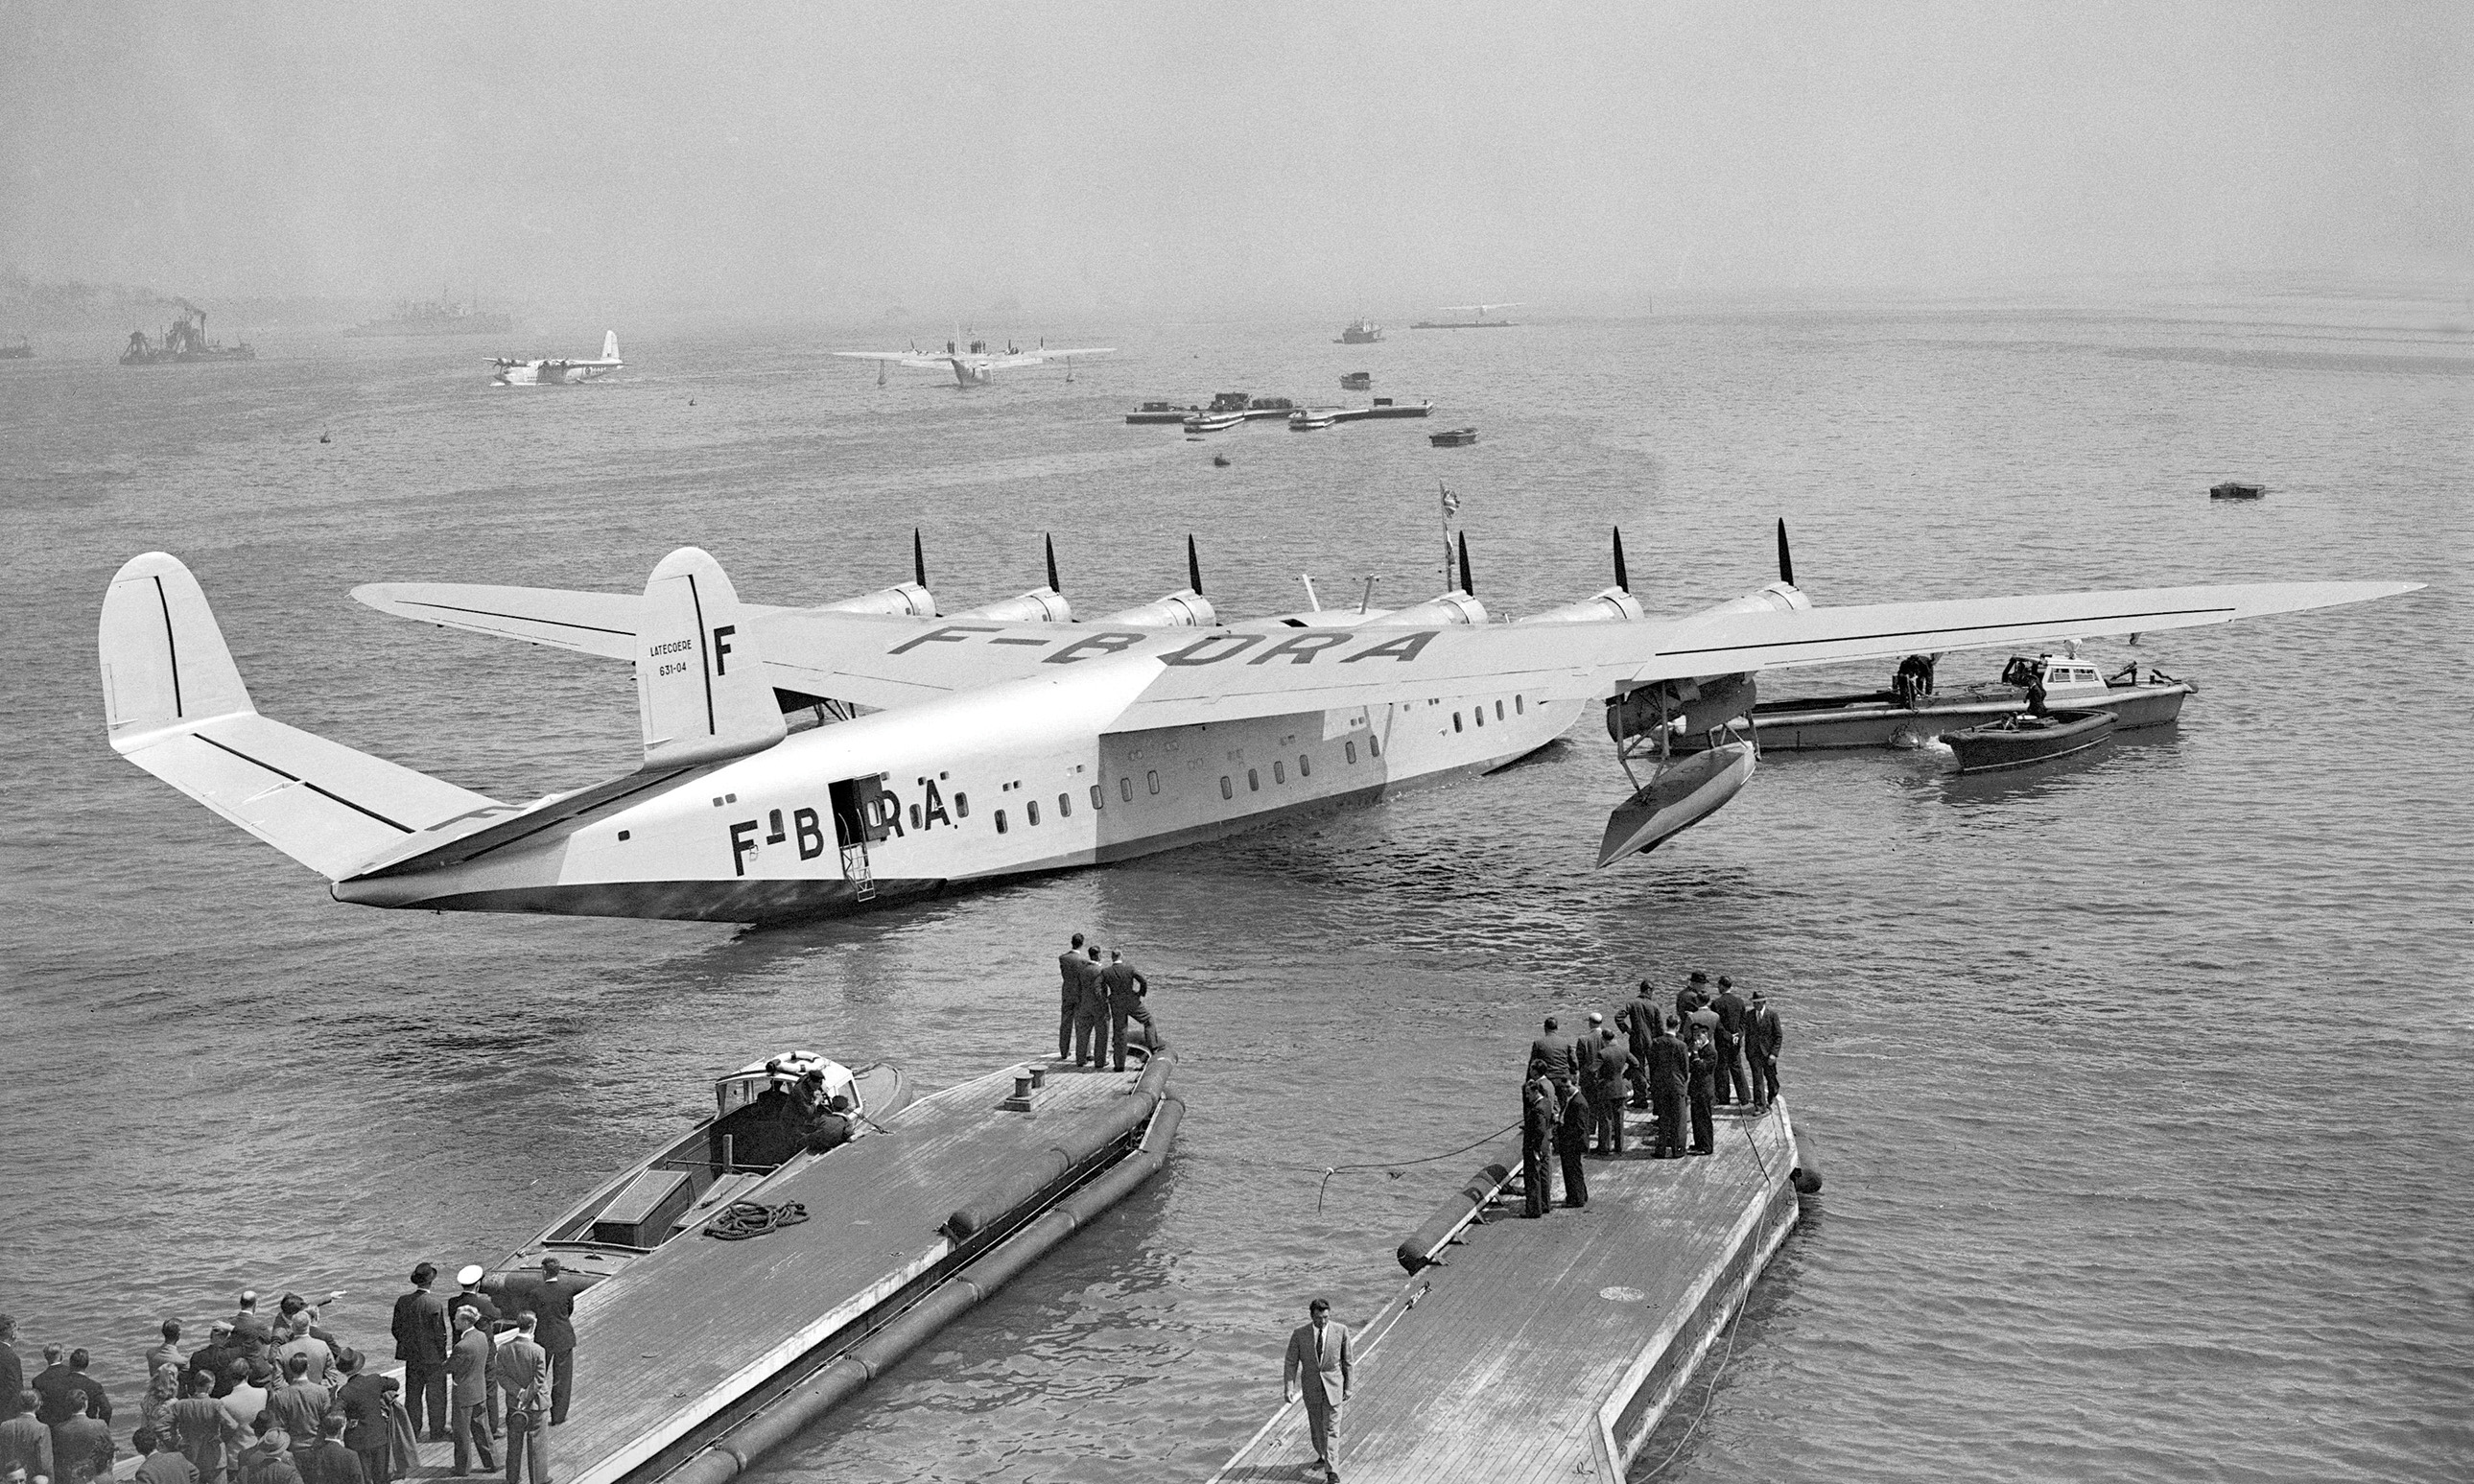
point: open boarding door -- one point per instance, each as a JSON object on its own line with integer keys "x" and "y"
{"x": 863, "y": 813}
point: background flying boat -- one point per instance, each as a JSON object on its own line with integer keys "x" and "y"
{"x": 972, "y": 362}
{"x": 558, "y": 371}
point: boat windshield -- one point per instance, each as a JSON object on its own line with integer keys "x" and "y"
{"x": 746, "y": 1085}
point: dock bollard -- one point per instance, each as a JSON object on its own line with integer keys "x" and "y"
{"x": 1020, "y": 1102}
{"x": 1040, "y": 1077}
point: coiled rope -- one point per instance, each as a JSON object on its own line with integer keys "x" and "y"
{"x": 741, "y": 1220}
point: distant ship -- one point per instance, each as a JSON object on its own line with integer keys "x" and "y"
{"x": 1479, "y": 322}
{"x": 184, "y": 341}
{"x": 440, "y": 316}
{"x": 1361, "y": 331}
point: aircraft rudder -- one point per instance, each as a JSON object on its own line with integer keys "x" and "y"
{"x": 163, "y": 659}
{"x": 700, "y": 685}
{"x": 610, "y": 345}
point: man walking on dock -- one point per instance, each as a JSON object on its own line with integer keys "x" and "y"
{"x": 421, "y": 1343}
{"x": 1318, "y": 1370}
{"x": 1539, "y": 1113}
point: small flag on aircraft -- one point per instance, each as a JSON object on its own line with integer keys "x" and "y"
{"x": 1451, "y": 502}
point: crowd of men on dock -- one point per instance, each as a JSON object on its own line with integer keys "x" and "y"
{"x": 1715, "y": 1050}
{"x": 282, "y": 1400}
{"x": 1098, "y": 1002}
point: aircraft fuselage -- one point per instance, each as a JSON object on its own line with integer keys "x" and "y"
{"x": 1015, "y": 780}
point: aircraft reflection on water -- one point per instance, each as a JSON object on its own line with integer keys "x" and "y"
{"x": 1011, "y": 738}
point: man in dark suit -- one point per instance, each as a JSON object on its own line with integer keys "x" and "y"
{"x": 331, "y": 1462}
{"x": 214, "y": 1357}
{"x": 1734, "y": 1078}
{"x": 1763, "y": 1036}
{"x": 551, "y": 1300}
{"x": 1585, "y": 1068}
{"x": 1615, "y": 1071}
{"x": 1671, "y": 1078}
{"x": 81, "y": 1444}
{"x": 1091, "y": 1011}
{"x": 1552, "y": 1053}
{"x": 64, "y": 1382}
{"x": 1640, "y": 1020}
{"x": 468, "y": 1391}
{"x": 12, "y": 1370}
{"x": 1126, "y": 988}
{"x": 1705, "y": 1088}
{"x": 1571, "y": 1142}
{"x": 1540, "y": 1115}
{"x": 1696, "y": 988}
{"x": 164, "y": 1463}
{"x": 368, "y": 1431}
{"x": 25, "y": 1442}
{"x": 421, "y": 1342}
{"x": 523, "y": 1375}
{"x": 1069, "y": 968}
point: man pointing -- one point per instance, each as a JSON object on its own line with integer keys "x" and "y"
{"x": 1316, "y": 1368}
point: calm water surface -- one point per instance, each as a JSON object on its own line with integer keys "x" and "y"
{"x": 2140, "y": 1082}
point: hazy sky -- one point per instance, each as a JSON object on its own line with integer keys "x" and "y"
{"x": 1149, "y": 157}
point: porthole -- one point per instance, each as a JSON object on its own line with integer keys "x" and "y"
{"x": 1306, "y": 766}
{"x": 1253, "y": 781}
{"x": 1065, "y": 806}
{"x": 1154, "y": 776}
{"x": 1520, "y": 704}
{"x": 1099, "y": 798}
{"x": 1279, "y": 773}
{"x": 1227, "y": 790}
{"x": 1352, "y": 757}
{"x": 1479, "y": 712}
{"x": 1456, "y": 721}
{"x": 1031, "y": 810}
{"x": 1373, "y": 748}
{"x": 1001, "y": 822}
{"x": 1126, "y": 788}
{"x": 1498, "y": 711}
{"x": 962, "y": 806}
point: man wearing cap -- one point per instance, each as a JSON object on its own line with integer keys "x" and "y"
{"x": 468, "y": 1394}
{"x": 1763, "y": 1036}
{"x": 469, "y": 1296}
{"x": 1318, "y": 1370}
{"x": 421, "y": 1343}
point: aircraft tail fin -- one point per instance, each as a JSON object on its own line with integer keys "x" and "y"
{"x": 175, "y": 705}
{"x": 701, "y": 685}
{"x": 610, "y": 345}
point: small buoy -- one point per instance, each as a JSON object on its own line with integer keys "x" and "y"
{"x": 1806, "y": 1182}
{"x": 324, "y": 438}
{"x": 1219, "y": 462}
{"x": 690, "y": 401}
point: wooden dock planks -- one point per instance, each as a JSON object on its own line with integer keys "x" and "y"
{"x": 1546, "y": 1349}
{"x": 693, "y": 1322}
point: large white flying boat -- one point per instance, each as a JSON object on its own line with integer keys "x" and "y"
{"x": 972, "y": 362}
{"x": 1002, "y": 739}
{"x": 558, "y": 371}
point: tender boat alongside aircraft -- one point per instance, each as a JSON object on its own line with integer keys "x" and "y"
{"x": 1891, "y": 718}
{"x": 2015, "y": 742}
{"x": 1005, "y": 739}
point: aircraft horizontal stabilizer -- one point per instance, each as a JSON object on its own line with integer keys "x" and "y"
{"x": 174, "y": 706}
{"x": 702, "y": 686}
{"x": 602, "y": 623}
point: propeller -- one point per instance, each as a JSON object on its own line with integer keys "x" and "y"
{"x": 1193, "y": 567}
{"x": 1050, "y": 542}
{"x": 1467, "y": 586}
{"x": 1623, "y": 578}
{"x": 918, "y": 558}
{"x": 1786, "y": 563}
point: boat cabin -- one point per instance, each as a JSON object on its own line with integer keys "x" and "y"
{"x": 2067, "y": 678}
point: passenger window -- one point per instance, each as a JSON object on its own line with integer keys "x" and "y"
{"x": 1498, "y": 711}
{"x": 1306, "y": 766}
{"x": 1352, "y": 757}
{"x": 1154, "y": 776}
{"x": 1099, "y": 799}
{"x": 1519, "y": 704}
{"x": 962, "y": 806}
{"x": 1373, "y": 748}
{"x": 1226, "y": 790}
{"x": 1065, "y": 806}
{"x": 1253, "y": 781}
{"x": 1279, "y": 773}
{"x": 1456, "y": 721}
{"x": 1031, "y": 810}
{"x": 1479, "y": 711}
{"x": 1001, "y": 824}
{"x": 1125, "y": 790}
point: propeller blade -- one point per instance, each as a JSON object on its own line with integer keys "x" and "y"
{"x": 1050, "y": 542}
{"x": 1467, "y": 586}
{"x": 1623, "y": 578}
{"x": 1193, "y": 567}
{"x": 918, "y": 558}
{"x": 1786, "y": 563}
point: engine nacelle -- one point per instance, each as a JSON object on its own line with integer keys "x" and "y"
{"x": 1187, "y": 609}
{"x": 1039, "y": 605}
{"x": 1614, "y": 606}
{"x": 1776, "y": 597}
{"x": 1682, "y": 706}
{"x": 1451, "y": 608}
{"x": 909, "y": 599}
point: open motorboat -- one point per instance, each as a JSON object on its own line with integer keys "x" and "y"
{"x": 1213, "y": 422}
{"x": 751, "y": 1141}
{"x": 2015, "y": 742}
{"x": 1911, "y": 713}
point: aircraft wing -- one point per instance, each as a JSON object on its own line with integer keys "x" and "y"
{"x": 1043, "y": 354}
{"x": 898, "y": 357}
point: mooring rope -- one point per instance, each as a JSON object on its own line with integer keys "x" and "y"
{"x": 1330, "y": 1170}
{"x": 741, "y": 1220}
